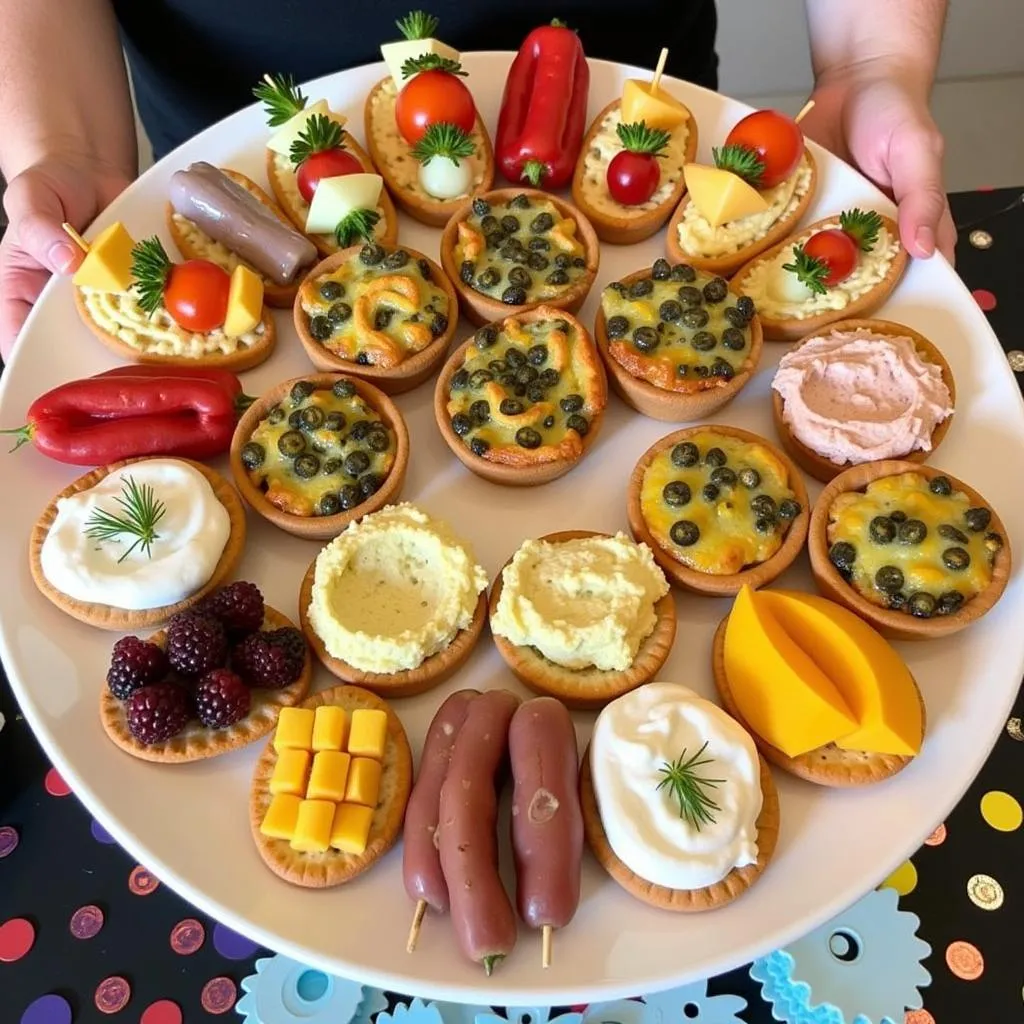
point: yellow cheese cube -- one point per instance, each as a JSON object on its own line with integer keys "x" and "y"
{"x": 281, "y": 817}
{"x": 245, "y": 302}
{"x": 351, "y": 830}
{"x": 656, "y": 107}
{"x": 330, "y": 728}
{"x": 290, "y": 772}
{"x": 107, "y": 266}
{"x": 721, "y": 196}
{"x": 363, "y": 783}
{"x": 294, "y": 729}
{"x": 313, "y": 828}
{"x": 369, "y": 733}
{"x": 329, "y": 776}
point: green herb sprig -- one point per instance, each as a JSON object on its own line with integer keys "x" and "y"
{"x": 150, "y": 268}
{"x": 810, "y": 271}
{"x": 444, "y": 140}
{"x": 281, "y": 98}
{"x": 320, "y": 134}
{"x": 690, "y": 789}
{"x": 432, "y": 62}
{"x": 638, "y": 138}
{"x": 141, "y": 512}
{"x": 358, "y": 224}
{"x": 862, "y": 226}
{"x": 743, "y": 162}
{"x": 418, "y": 25}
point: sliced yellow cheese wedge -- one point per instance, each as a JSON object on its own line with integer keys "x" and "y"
{"x": 107, "y": 266}
{"x": 641, "y": 101}
{"x": 282, "y": 139}
{"x": 780, "y": 692}
{"x": 721, "y": 196}
{"x": 335, "y": 198}
{"x": 867, "y": 671}
{"x": 396, "y": 54}
{"x": 245, "y": 302}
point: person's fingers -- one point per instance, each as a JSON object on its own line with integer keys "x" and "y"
{"x": 35, "y": 214}
{"x": 21, "y": 281}
{"x": 915, "y": 167}
{"x": 945, "y": 239}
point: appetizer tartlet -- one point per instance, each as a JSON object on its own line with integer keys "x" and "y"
{"x": 522, "y": 401}
{"x": 222, "y": 216}
{"x": 383, "y": 314}
{"x": 328, "y": 793}
{"x": 395, "y": 603}
{"x": 913, "y": 550}
{"x": 868, "y": 390}
{"x": 838, "y": 268}
{"x": 678, "y": 806}
{"x": 213, "y": 681}
{"x": 720, "y": 508}
{"x": 315, "y": 452}
{"x": 128, "y": 545}
{"x": 582, "y": 616}
{"x": 513, "y": 249}
{"x": 678, "y": 343}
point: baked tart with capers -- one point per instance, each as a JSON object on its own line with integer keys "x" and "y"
{"x": 678, "y": 342}
{"x": 515, "y": 249}
{"x": 719, "y": 507}
{"x": 382, "y": 313}
{"x": 521, "y": 401}
{"x": 314, "y": 453}
{"x": 914, "y": 551}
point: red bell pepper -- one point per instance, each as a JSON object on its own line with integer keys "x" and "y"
{"x": 225, "y": 378}
{"x": 544, "y": 109}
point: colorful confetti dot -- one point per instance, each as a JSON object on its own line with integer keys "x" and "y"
{"x": 1001, "y": 811}
{"x": 163, "y": 1011}
{"x": 231, "y": 945}
{"x": 187, "y": 937}
{"x": 100, "y": 834}
{"x": 9, "y": 840}
{"x": 937, "y": 838}
{"x": 903, "y": 879}
{"x": 1013, "y": 727}
{"x": 17, "y": 937}
{"x": 985, "y": 892}
{"x": 48, "y": 1009}
{"x": 141, "y": 882}
{"x": 1015, "y": 357}
{"x": 55, "y": 785}
{"x": 980, "y": 239}
{"x": 218, "y": 995}
{"x": 965, "y": 960}
{"x": 112, "y": 994}
{"x": 86, "y": 922}
{"x": 918, "y": 1017}
{"x": 985, "y": 299}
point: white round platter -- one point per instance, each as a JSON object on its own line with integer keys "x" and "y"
{"x": 189, "y": 824}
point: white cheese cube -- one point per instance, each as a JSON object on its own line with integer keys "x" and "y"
{"x": 396, "y": 54}
{"x": 282, "y": 139}
{"x": 335, "y": 198}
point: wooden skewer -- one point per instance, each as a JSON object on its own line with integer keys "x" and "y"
{"x": 417, "y": 923}
{"x": 75, "y": 237}
{"x": 545, "y": 940}
{"x": 804, "y": 111}
{"x": 659, "y": 70}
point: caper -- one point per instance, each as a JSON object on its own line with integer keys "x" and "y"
{"x": 356, "y": 462}
{"x": 291, "y": 443}
{"x": 466, "y": 271}
{"x": 789, "y": 509}
{"x": 514, "y": 358}
{"x": 723, "y": 476}
{"x": 349, "y": 497}
{"x": 734, "y": 316}
{"x": 977, "y": 519}
{"x": 897, "y": 601}
{"x": 842, "y": 555}
{"x": 539, "y": 245}
{"x": 993, "y": 542}
{"x": 513, "y": 252}
{"x": 481, "y": 207}
{"x": 536, "y": 261}
{"x": 343, "y": 388}
{"x": 913, "y": 531}
{"x": 328, "y": 505}
{"x": 312, "y": 417}
{"x": 949, "y": 602}
{"x": 703, "y": 341}
{"x": 695, "y": 318}
{"x": 360, "y": 430}
{"x": 253, "y": 455}
{"x": 557, "y": 278}
{"x": 480, "y": 411}
{"x": 527, "y": 437}
{"x": 478, "y": 378}
{"x": 882, "y": 530}
{"x": 332, "y": 467}
{"x": 765, "y": 524}
{"x": 685, "y": 454}
{"x": 494, "y": 239}
{"x": 889, "y": 579}
{"x": 520, "y": 201}
{"x": 438, "y": 324}
{"x": 514, "y": 296}
{"x": 715, "y": 457}
{"x": 732, "y": 339}
{"x": 646, "y": 339}
{"x": 616, "y": 327}
{"x": 722, "y": 368}
{"x": 369, "y": 484}
{"x": 689, "y": 296}
{"x": 541, "y": 223}
{"x": 563, "y": 262}
{"x": 571, "y": 403}
{"x": 956, "y": 559}
{"x": 301, "y": 390}
{"x": 490, "y": 278}
{"x": 579, "y": 263}
{"x": 715, "y": 290}
{"x": 526, "y": 374}
{"x": 510, "y": 407}
{"x": 460, "y": 379}
{"x": 378, "y": 440}
{"x": 661, "y": 270}
{"x": 306, "y": 466}
{"x": 479, "y": 447}
{"x": 295, "y": 419}
{"x": 745, "y": 307}
{"x": 709, "y": 492}
{"x": 641, "y": 288}
{"x": 461, "y": 424}
{"x": 339, "y": 312}
{"x": 684, "y": 533}
{"x": 670, "y": 311}
{"x": 396, "y": 260}
{"x": 549, "y": 377}
{"x": 331, "y": 290}
{"x": 579, "y": 424}
{"x": 949, "y": 532}
{"x": 676, "y": 494}
{"x": 371, "y": 254}
{"x": 510, "y": 224}
{"x": 320, "y": 328}
{"x": 922, "y": 605}
{"x": 764, "y": 505}
{"x": 940, "y": 485}
{"x": 275, "y": 416}
{"x": 535, "y": 392}
{"x": 750, "y": 478}
{"x": 425, "y": 269}
{"x": 683, "y": 272}
{"x": 485, "y": 336}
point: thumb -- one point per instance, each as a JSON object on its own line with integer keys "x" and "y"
{"x": 36, "y": 213}
{"x": 915, "y": 169}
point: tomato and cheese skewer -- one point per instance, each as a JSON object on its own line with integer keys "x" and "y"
{"x": 547, "y": 822}
{"x": 421, "y": 861}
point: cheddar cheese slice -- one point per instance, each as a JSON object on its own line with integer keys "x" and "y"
{"x": 721, "y": 196}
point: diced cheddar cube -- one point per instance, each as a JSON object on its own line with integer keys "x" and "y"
{"x": 107, "y": 266}
{"x": 330, "y": 728}
{"x": 294, "y": 729}
{"x": 351, "y": 830}
{"x": 290, "y": 772}
{"x": 329, "y": 776}
{"x": 363, "y": 784}
{"x": 245, "y": 302}
{"x": 369, "y": 733}
{"x": 313, "y": 828}
{"x": 282, "y": 815}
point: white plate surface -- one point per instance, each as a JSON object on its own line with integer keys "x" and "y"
{"x": 189, "y": 824}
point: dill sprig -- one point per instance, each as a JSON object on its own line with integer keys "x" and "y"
{"x": 417, "y": 25}
{"x": 141, "y": 512}
{"x": 446, "y": 140}
{"x": 281, "y": 98}
{"x": 743, "y": 162}
{"x": 862, "y": 226}
{"x": 150, "y": 268}
{"x": 810, "y": 271}
{"x": 358, "y": 224}
{"x": 639, "y": 138}
{"x": 321, "y": 134}
{"x": 431, "y": 62}
{"x": 690, "y": 789}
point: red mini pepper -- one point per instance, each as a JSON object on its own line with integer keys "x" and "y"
{"x": 544, "y": 108}
{"x": 134, "y": 411}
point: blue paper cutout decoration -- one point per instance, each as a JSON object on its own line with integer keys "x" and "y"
{"x": 683, "y": 1005}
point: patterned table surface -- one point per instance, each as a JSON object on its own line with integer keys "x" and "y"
{"x": 87, "y": 935}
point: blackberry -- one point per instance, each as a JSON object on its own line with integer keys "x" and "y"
{"x": 135, "y": 663}
{"x": 195, "y": 644}
{"x": 158, "y": 712}
{"x": 238, "y": 607}
{"x": 270, "y": 660}
{"x": 221, "y": 699}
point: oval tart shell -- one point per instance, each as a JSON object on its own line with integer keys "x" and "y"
{"x": 793, "y": 328}
{"x": 824, "y": 469}
{"x": 104, "y": 616}
{"x": 705, "y": 583}
{"x": 590, "y": 688}
{"x": 633, "y": 224}
{"x": 894, "y": 624}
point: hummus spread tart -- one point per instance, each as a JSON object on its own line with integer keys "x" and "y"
{"x": 912, "y": 550}
{"x": 862, "y": 391}
{"x": 514, "y": 249}
{"x": 584, "y": 617}
{"x": 396, "y": 603}
{"x": 329, "y": 791}
{"x": 383, "y": 314}
{"x": 719, "y": 507}
{"x": 678, "y": 342}
{"x": 523, "y": 399}
{"x": 838, "y": 268}
{"x": 316, "y": 452}
{"x": 129, "y": 545}
{"x": 176, "y": 714}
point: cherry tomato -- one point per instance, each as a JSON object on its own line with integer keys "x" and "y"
{"x": 837, "y": 251}
{"x": 775, "y": 138}
{"x": 331, "y": 163}
{"x": 196, "y": 295}
{"x": 433, "y": 97}
{"x": 633, "y": 177}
